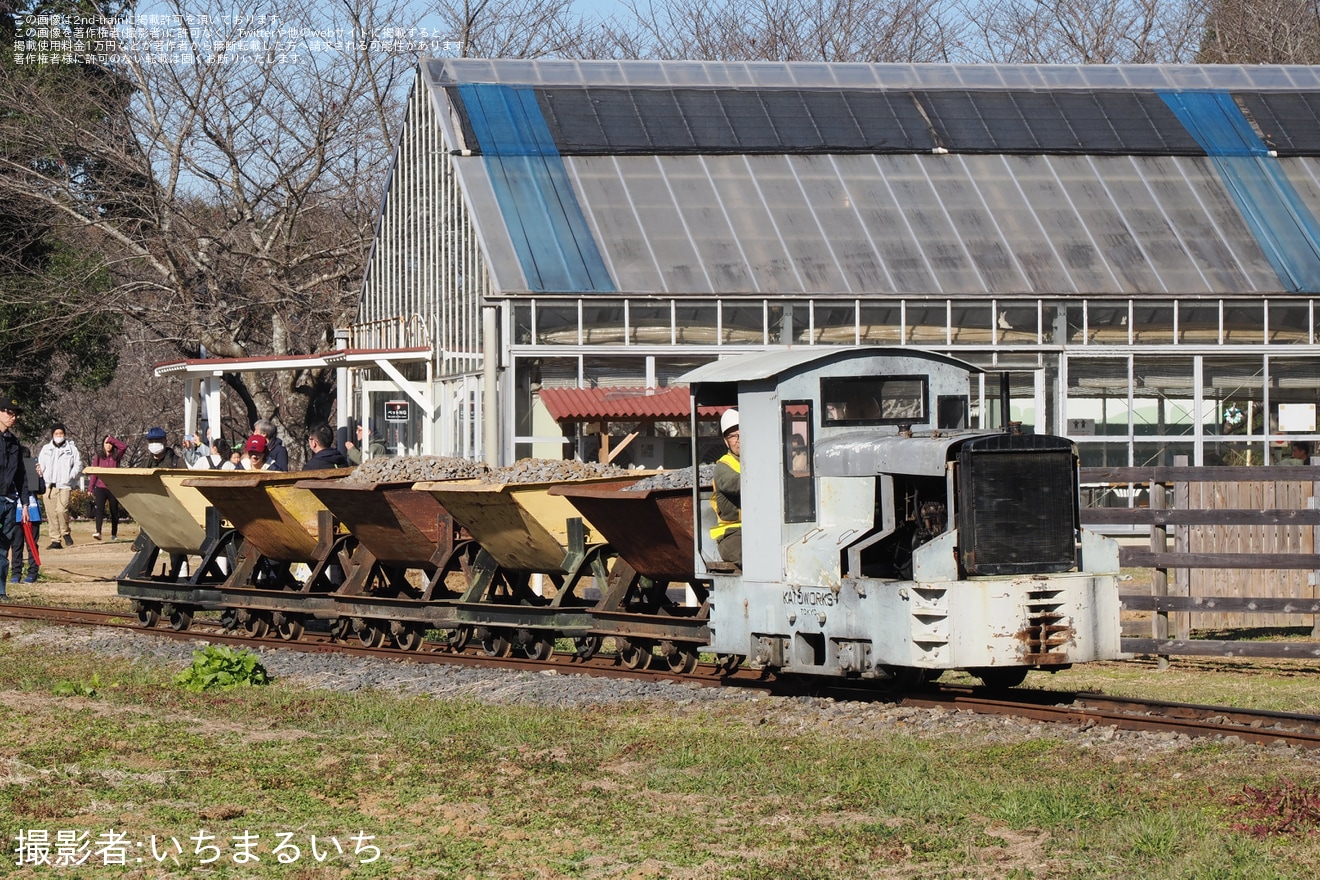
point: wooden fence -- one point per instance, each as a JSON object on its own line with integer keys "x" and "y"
{"x": 1243, "y": 554}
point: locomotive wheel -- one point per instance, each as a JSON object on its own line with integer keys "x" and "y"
{"x": 586, "y": 646}
{"x": 910, "y": 678}
{"x": 410, "y": 638}
{"x": 728, "y": 663}
{"x": 998, "y": 678}
{"x": 635, "y": 655}
{"x": 497, "y": 645}
{"x": 539, "y": 648}
{"x": 457, "y": 639}
{"x": 147, "y": 613}
{"x": 682, "y": 661}
{"x": 288, "y": 627}
{"x": 180, "y": 619}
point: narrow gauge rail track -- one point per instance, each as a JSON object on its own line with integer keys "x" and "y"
{"x": 1084, "y": 710}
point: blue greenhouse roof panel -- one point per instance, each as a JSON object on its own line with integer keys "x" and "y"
{"x": 701, "y": 178}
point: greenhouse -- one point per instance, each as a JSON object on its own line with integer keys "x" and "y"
{"x": 1136, "y": 246}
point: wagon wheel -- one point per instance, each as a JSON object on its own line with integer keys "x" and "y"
{"x": 999, "y": 677}
{"x": 147, "y": 613}
{"x": 457, "y": 638}
{"x": 369, "y": 635}
{"x": 410, "y": 637}
{"x": 497, "y": 644}
{"x": 635, "y": 655}
{"x": 229, "y": 619}
{"x": 288, "y": 627}
{"x": 682, "y": 660}
{"x": 341, "y": 629}
{"x": 540, "y": 648}
{"x": 180, "y": 619}
{"x": 255, "y": 624}
{"x": 586, "y": 646}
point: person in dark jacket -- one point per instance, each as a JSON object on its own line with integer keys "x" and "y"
{"x": 13, "y": 485}
{"x": 160, "y": 455}
{"x": 277, "y": 454}
{"x": 324, "y": 453}
{"x": 20, "y": 550}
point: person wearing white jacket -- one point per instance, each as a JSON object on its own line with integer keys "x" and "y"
{"x": 59, "y": 464}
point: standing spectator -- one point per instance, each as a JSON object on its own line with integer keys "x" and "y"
{"x": 36, "y": 488}
{"x": 216, "y": 460}
{"x": 365, "y": 441}
{"x": 324, "y": 453}
{"x": 59, "y": 464}
{"x": 192, "y": 450}
{"x": 277, "y": 455}
{"x": 13, "y": 484}
{"x": 255, "y": 458}
{"x": 108, "y": 456}
{"x": 158, "y": 454}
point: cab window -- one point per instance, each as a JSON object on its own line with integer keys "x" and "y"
{"x": 874, "y": 400}
{"x": 797, "y": 444}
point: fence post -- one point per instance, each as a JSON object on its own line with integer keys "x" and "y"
{"x": 1159, "y": 578}
{"x": 1312, "y": 503}
{"x": 1182, "y": 577}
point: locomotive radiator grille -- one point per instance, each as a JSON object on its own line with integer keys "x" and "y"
{"x": 1017, "y": 506}
{"x": 1049, "y": 630}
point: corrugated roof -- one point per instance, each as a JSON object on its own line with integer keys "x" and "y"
{"x": 637, "y": 177}
{"x": 620, "y": 404}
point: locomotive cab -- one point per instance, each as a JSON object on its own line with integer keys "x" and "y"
{"x": 882, "y": 537}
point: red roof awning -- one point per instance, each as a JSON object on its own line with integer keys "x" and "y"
{"x": 621, "y": 404}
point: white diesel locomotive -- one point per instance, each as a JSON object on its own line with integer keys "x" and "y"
{"x": 899, "y": 543}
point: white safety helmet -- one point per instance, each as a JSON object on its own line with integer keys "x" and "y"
{"x": 728, "y": 421}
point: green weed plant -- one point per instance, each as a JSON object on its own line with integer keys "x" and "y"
{"x": 89, "y": 688}
{"x": 221, "y": 668}
{"x": 647, "y": 789}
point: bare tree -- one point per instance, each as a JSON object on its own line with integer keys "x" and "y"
{"x": 1082, "y": 31}
{"x": 784, "y": 30}
{"x": 232, "y": 194}
{"x": 516, "y": 28}
{"x": 1262, "y": 32}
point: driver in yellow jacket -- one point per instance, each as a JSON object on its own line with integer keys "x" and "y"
{"x": 727, "y": 498}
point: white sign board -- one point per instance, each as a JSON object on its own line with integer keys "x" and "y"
{"x": 1297, "y": 418}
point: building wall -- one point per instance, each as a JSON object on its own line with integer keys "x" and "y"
{"x": 1134, "y": 383}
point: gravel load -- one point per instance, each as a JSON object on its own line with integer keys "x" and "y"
{"x": 679, "y": 479}
{"x": 415, "y": 469}
{"x": 552, "y": 470}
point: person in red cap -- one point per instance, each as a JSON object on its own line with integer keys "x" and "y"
{"x": 254, "y": 454}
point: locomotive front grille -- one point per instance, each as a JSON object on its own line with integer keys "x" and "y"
{"x": 1017, "y": 506}
{"x": 1049, "y": 630}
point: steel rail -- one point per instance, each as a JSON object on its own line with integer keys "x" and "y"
{"x": 1083, "y": 710}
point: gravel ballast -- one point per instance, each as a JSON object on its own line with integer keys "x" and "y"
{"x": 792, "y": 715}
